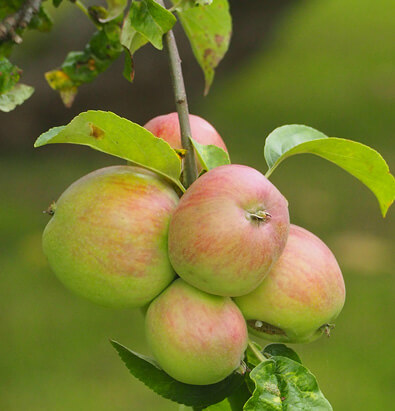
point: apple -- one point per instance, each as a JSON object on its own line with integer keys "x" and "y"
{"x": 197, "y": 338}
{"x": 302, "y": 295}
{"x": 228, "y": 229}
{"x": 107, "y": 239}
{"x": 167, "y": 127}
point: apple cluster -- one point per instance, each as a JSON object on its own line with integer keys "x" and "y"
{"x": 206, "y": 268}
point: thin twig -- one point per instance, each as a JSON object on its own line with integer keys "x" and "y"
{"x": 190, "y": 168}
{"x": 18, "y": 20}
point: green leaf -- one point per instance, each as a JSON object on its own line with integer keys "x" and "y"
{"x": 359, "y": 160}
{"x": 199, "y": 396}
{"x": 9, "y": 75}
{"x": 208, "y": 29}
{"x": 267, "y": 395}
{"x": 187, "y": 4}
{"x": 210, "y": 156}
{"x": 130, "y": 38}
{"x": 282, "y": 350}
{"x": 41, "y": 21}
{"x": 284, "y": 384}
{"x": 117, "y": 136}
{"x": 14, "y": 97}
{"x": 56, "y": 3}
{"x": 82, "y": 67}
{"x": 114, "y": 9}
{"x": 151, "y": 21}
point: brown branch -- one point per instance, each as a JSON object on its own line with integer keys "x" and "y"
{"x": 19, "y": 20}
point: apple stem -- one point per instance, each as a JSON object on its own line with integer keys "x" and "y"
{"x": 256, "y": 352}
{"x": 190, "y": 168}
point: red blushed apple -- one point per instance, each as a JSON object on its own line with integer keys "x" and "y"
{"x": 107, "y": 239}
{"x": 301, "y": 296}
{"x": 230, "y": 226}
{"x": 167, "y": 127}
{"x": 197, "y": 338}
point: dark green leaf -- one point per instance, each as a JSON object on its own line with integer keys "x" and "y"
{"x": 14, "y": 97}
{"x": 56, "y": 3}
{"x": 208, "y": 29}
{"x": 114, "y": 9}
{"x": 9, "y": 75}
{"x": 282, "y": 383}
{"x": 41, "y": 21}
{"x": 359, "y": 160}
{"x": 151, "y": 21}
{"x": 111, "y": 134}
{"x": 210, "y": 156}
{"x": 84, "y": 66}
{"x": 128, "y": 67}
{"x": 251, "y": 358}
{"x": 9, "y": 7}
{"x": 282, "y": 350}
{"x": 146, "y": 370}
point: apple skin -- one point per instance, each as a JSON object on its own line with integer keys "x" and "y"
{"x": 302, "y": 295}
{"x": 217, "y": 243}
{"x": 197, "y": 338}
{"x": 107, "y": 240}
{"x": 167, "y": 127}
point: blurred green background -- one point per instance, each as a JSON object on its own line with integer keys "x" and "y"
{"x": 328, "y": 64}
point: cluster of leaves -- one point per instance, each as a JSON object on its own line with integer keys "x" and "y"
{"x": 12, "y": 20}
{"x": 271, "y": 379}
{"x": 207, "y": 24}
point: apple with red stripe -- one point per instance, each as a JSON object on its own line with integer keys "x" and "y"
{"x": 230, "y": 226}
{"x": 107, "y": 239}
{"x": 302, "y": 295}
{"x": 197, "y": 338}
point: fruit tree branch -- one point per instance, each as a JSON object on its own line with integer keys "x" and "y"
{"x": 190, "y": 168}
{"x": 18, "y": 20}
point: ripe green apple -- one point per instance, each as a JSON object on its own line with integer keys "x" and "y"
{"x": 230, "y": 226}
{"x": 107, "y": 240}
{"x": 197, "y": 338}
{"x": 167, "y": 127}
{"x": 301, "y": 296}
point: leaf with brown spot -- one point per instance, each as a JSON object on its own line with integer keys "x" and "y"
{"x": 208, "y": 28}
{"x": 117, "y": 136}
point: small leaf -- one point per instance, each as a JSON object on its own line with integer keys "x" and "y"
{"x": 151, "y": 21}
{"x": 114, "y": 9}
{"x": 117, "y": 136}
{"x": 82, "y": 67}
{"x": 281, "y": 383}
{"x": 359, "y": 160}
{"x": 56, "y": 3}
{"x": 198, "y": 396}
{"x": 210, "y": 156}
{"x": 130, "y": 38}
{"x": 9, "y": 75}
{"x": 128, "y": 67}
{"x": 41, "y": 21}
{"x": 208, "y": 28}
{"x": 14, "y": 97}
{"x": 282, "y": 350}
